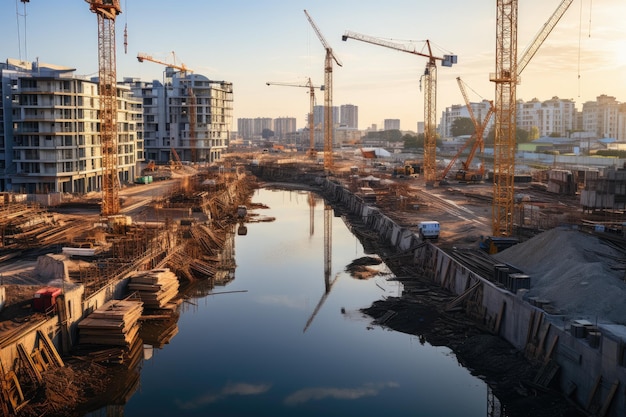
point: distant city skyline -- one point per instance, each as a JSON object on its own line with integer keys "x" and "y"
{"x": 581, "y": 59}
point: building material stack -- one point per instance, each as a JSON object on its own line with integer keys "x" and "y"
{"x": 156, "y": 288}
{"x": 116, "y": 323}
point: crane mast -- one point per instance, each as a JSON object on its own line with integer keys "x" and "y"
{"x": 106, "y": 12}
{"x": 311, "y": 87}
{"x": 430, "y": 94}
{"x": 328, "y": 95}
{"x": 506, "y": 77}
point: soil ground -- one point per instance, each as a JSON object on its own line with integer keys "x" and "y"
{"x": 419, "y": 311}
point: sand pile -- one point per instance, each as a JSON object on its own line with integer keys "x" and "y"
{"x": 580, "y": 274}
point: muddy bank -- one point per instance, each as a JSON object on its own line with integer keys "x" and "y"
{"x": 487, "y": 356}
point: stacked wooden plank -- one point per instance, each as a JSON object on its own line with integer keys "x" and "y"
{"x": 156, "y": 288}
{"x": 116, "y": 323}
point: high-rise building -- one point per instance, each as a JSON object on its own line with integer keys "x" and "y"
{"x": 318, "y": 115}
{"x": 50, "y": 119}
{"x": 391, "y": 124}
{"x": 283, "y": 126}
{"x": 170, "y": 112}
{"x": 349, "y": 116}
{"x": 250, "y": 129}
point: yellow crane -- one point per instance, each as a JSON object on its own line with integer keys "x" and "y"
{"x": 466, "y": 174}
{"x": 191, "y": 104}
{"x": 430, "y": 93}
{"x": 106, "y": 12}
{"x": 328, "y": 95}
{"x": 506, "y": 78}
{"x": 311, "y": 152}
{"x": 145, "y": 57}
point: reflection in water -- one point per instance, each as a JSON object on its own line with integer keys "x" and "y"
{"x": 324, "y": 393}
{"x": 246, "y": 354}
{"x": 237, "y": 389}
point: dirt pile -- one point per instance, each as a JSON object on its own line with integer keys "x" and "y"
{"x": 580, "y": 274}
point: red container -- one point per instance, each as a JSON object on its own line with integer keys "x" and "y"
{"x": 46, "y": 298}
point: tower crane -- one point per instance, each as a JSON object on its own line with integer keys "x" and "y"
{"x": 430, "y": 93}
{"x": 311, "y": 152}
{"x": 145, "y": 57}
{"x": 466, "y": 173}
{"x": 106, "y": 12}
{"x": 506, "y": 78}
{"x": 328, "y": 95}
{"x": 191, "y": 104}
{"x": 328, "y": 283}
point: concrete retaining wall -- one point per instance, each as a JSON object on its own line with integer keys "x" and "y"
{"x": 593, "y": 376}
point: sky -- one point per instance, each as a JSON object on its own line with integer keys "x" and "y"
{"x": 250, "y": 43}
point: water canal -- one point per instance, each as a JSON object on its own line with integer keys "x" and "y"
{"x": 281, "y": 340}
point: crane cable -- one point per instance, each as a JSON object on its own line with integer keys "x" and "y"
{"x": 19, "y": 40}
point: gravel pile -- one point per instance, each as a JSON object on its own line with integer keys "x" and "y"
{"x": 580, "y": 274}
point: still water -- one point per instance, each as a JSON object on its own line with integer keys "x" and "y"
{"x": 245, "y": 349}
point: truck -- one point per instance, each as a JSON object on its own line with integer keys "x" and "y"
{"x": 428, "y": 230}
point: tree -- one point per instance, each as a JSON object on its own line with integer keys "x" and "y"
{"x": 462, "y": 126}
{"x": 393, "y": 135}
{"x": 534, "y": 133}
{"x": 413, "y": 142}
{"x": 267, "y": 133}
{"x": 521, "y": 136}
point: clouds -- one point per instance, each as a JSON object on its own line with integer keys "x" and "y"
{"x": 300, "y": 397}
{"x": 323, "y": 393}
{"x": 240, "y": 389}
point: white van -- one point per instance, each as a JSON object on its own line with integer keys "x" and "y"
{"x": 428, "y": 230}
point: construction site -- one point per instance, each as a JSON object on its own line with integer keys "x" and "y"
{"x": 63, "y": 272}
{"x": 523, "y": 280}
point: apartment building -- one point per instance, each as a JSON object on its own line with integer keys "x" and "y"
{"x": 188, "y": 114}
{"x": 252, "y": 129}
{"x": 391, "y": 124}
{"x": 551, "y": 117}
{"x": 349, "y": 116}
{"x": 604, "y": 117}
{"x": 50, "y": 141}
{"x": 283, "y": 126}
{"x": 456, "y": 111}
{"x": 545, "y": 118}
{"x": 318, "y": 115}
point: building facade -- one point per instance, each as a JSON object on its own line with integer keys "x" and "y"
{"x": 604, "y": 117}
{"x": 349, "y": 116}
{"x": 190, "y": 115}
{"x": 391, "y": 124}
{"x": 283, "y": 126}
{"x": 252, "y": 129}
{"x": 318, "y": 116}
{"x": 50, "y": 141}
{"x": 457, "y": 111}
{"x": 554, "y": 117}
